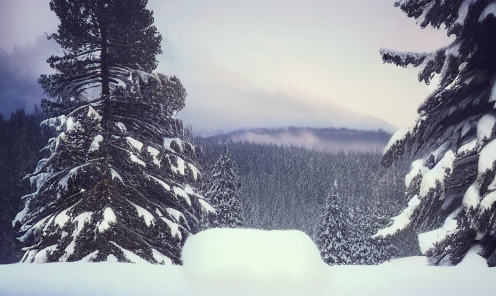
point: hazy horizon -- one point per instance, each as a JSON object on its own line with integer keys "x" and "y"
{"x": 254, "y": 64}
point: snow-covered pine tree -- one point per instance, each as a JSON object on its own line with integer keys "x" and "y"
{"x": 451, "y": 187}
{"x": 222, "y": 192}
{"x": 119, "y": 183}
{"x": 137, "y": 203}
{"x": 333, "y": 234}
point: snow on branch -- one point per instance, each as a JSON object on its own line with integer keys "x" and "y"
{"x": 402, "y": 59}
{"x": 490, "y": 9}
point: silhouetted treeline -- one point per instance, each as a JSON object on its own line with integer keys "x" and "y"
{"x": 21, "y": 141}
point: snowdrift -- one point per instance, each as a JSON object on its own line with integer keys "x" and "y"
{"x": 248, "y": 259}
{"x": 249, "y": 262}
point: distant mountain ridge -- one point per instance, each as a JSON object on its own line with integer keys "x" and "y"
{"x": 327, "y": 139}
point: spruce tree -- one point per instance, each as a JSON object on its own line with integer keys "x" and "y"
{"x": 119, "y": 183}
{"x": 223, "y": 193}
{"x": 333, "y": 234}
{"x": 451, "y": 187}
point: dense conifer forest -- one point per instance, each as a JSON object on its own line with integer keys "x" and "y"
{"x": 21, "y": 143}
{"x": 281, "y": 187}
{"x": 285, "y": 187}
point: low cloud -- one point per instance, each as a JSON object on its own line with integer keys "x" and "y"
{"x": 221, "y": 100}
{"x": 310, "y": 140}
{"x": 19, "y": 73}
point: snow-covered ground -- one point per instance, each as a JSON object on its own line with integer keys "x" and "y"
{"x": 249, "y": 262}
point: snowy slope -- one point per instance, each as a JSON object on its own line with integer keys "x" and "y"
{"x": 407, "y": 276}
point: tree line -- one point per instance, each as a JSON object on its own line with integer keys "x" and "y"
{"x": 288, "y": 187}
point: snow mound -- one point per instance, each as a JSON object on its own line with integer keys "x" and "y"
{"x": 247, "y": 258}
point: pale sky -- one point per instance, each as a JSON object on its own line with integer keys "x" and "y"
{"x": 257, "y": 63}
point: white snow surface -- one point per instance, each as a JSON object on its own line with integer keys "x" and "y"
{"x": 71, "y": 125}
{"x": 108, "y": 219}
{"x": 41, "y": 256}
{"x": 253, "y": 258}
{"x": 463, "y": 11}
{"x": 417, "y": 167}
{"x": 471, "y": 197}
{"x": 115, "y": 175}
{"x": 206, "y": 206}
{"x": 485, "y": 126}
{"x": 175, "y": 213}
{"x": 437, "y": 173}
{"x": 93, "y": 114}
{"x": 135, "y": 143}
{"x": 492, "y": 98}
{"x": 121, "y": 126}
{"x": 62, "y": 218}
{"x": 490, "y": 9}
{"x": 406, "y": 277}
{"x": 488, "y": 201}
{"x": 39, "y": 179}
{"x": 168, "y": 142}
{"x": 399, "y": 135}
{"x": 147, "y": 216}
{"x": 135, "y": 159}
{"x": 179, "y": 169}
{"x": 81, "y": 220}
{"x": 174, "y": 228}
{"x": 154, "y": 153}
{"x": 162, "y": 183}
{"x": 401, "y": 221}
{"x": 467, "y": 147}
{"x": 63, "y": 183}
{"x": 487, "y": 157}
{"x": 95, "y": 145}
{"x": 195, "y": 171}
{"x": 426, "y": 10}
{"x": 128, "y": 254}
{"x": 428, "y": 239}
{"x": 180, "y": 192}
{"x": 161, "y": 258}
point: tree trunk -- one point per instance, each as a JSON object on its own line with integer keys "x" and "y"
{"x": 103, "y": 22}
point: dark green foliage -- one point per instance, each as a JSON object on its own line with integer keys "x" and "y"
{"x": 334, "y": 234}
{"x": 103, "y": 40}
{"x": 456, "y": 126}
{"x": 284, "y": 188}
{"x": 222, "y": 192}
{"x": 21, "y": 140}
{"x": 134, "y": 200}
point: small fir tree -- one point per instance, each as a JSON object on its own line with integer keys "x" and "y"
{"x": 333, "y": 234}
{"x": 223, "y": 193}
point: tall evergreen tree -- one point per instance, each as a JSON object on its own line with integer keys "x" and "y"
{"x": 451, "y": 187}
{"x": 223, "y": 193}
{"x": 139, "y": 203}
{"x": 119, "y": 181}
